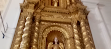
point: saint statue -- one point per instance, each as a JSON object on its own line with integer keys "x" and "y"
{"x": 56, "y": 45}
{"x": 55, "y": 3}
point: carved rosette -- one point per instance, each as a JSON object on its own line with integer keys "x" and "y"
{"x": 76, "y": 36}
{"x": 88, "y": 42}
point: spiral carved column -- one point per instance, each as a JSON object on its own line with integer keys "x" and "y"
{"x": 26, "y": 32}
{"x": 89, "y": 31}
{"x": 86, "y": 36}
{"x": 35, "y": 34}
{"x": 76, "y": 36}
{"x": 18, "y": 33}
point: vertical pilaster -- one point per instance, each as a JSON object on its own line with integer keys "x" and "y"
{"x": 18, "y": 33}
{"x": 35, "y": 34}
{"x": 76, "y": 36}
{"x": 40, "y": 41}
{"x": 40, "y": 35}
{"x": 86, "y": 36}
{"x": 69, "y": 43}
{"x": 44, "y": 43}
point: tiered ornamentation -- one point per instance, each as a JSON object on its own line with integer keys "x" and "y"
{"x": 53, "y": 24}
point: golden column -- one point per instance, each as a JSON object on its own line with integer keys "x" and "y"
{"x": 26, "y": 32}
{"x": 35, "y": 34}
{"x": 89, "y": 31}
{"x": 76, "y": 36}
{"x": 88, "y": 42}
{"x": 25, "y": 42}
{"x": 18, "y": 33}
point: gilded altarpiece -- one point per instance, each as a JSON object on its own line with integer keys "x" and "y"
{"x": 53, "y": 24}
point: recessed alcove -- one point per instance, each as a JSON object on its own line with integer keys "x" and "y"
{"x": 54, "y": 34}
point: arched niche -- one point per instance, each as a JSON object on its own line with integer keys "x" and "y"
{"x": 51, "y": 28}
{"x": 56, "y": 31}
{"x": 51, "y": 36}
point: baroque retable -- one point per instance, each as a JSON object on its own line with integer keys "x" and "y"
{"x": 53, "y": 24}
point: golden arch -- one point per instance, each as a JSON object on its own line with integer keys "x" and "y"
{"x": 62, "y": 30}
{"x": 66, "y": 34}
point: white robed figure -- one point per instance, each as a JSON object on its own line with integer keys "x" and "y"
{"x": 56, "y": 45}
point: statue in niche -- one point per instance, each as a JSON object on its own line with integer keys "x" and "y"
{"x": 55, "y": 45}
{"x": 55, "y": 3}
